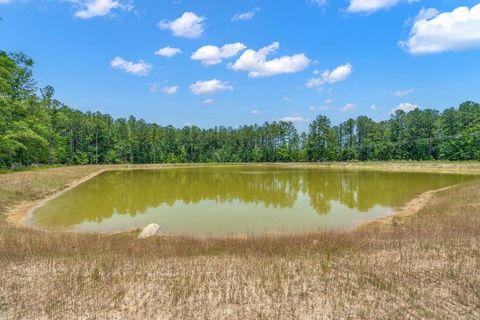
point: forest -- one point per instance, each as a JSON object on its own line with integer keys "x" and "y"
{"x": 37, "y": 129}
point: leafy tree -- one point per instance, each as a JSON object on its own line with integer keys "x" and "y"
{"x": 35, "y": 128}
{"x": 321, "y": 145}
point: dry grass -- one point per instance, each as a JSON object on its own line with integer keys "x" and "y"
{"x": 422, "y": 266}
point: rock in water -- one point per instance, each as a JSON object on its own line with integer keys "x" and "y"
{"x": 149, "y": 231}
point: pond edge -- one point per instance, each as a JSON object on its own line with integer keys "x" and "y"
{"x": 21, "y": 215}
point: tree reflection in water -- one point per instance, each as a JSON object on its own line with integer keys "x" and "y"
{"x": 133, "y": 192}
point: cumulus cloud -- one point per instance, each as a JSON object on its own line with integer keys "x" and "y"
{"x": 426, "y": 14}
{"x": 210, "y": 55}
{"x": 340, "y": 73}
{"x": 294, "y": 119}
{"x": 189, "y": 25}
{"x": 401, "y": 93}
{"x": 255, "y": 112}
{"x": 434, "y": 32}
{"x": 370, "y": 5}
{"x": 245, "y": 15}
{"x": 405, "y": 107}
{"x": 257, "y": 65}
{"x": 170, "y": 89}
{"x": 210, "y": 86}
{"x": 168, "y": 52}
{"x": 137, "y": 68}
{"x": 347, "y": 107}
{"x": 94, "y": 8}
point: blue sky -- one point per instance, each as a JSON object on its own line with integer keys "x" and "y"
{"x": 332, "y": 57}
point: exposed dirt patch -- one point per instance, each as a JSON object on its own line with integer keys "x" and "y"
{"x": 412, "y": 207}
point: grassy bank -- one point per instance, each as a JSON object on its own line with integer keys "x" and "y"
{"x": 425, "y": 265}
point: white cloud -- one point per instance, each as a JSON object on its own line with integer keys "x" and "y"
{"x": 287, "y": 99}
{"x": 426, "y": 14}
{"x": 168, "y": 52}
{"x": 347, "y": 107}
{"x": 210, "y": 55}
{"x": 5, "y": 1}
{"x": 373, "y": 107}
{"x": 170, "y": 89}
{"x": 401, "y": 93}
{"x": 294, "y": 119}
{"x": 189, "y": 25}
{"x": 210, "y": 86}
{"x": 139, "y": 68}
{"x": 257, "y": 65}
{"x": 245, "y": 15}
{"x": 405, "y": 107}
{"x": 94, "y": 8}
{"x": 256, "y": 112}
{"x": 434, "y": 32}
{"x": 370, "y": 5}
{"x": 208, "y": 101}
{"x": 338, "y": 74}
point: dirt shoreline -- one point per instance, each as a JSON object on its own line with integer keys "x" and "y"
{"x": 21, "y": 215}
{"x": 411, "y": 208}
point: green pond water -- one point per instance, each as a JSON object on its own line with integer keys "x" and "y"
{"x": 232, "y": 200}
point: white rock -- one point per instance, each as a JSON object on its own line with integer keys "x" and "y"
{"x": 149, "y": 231}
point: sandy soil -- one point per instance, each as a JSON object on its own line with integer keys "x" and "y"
{"x": 423, "y": 264}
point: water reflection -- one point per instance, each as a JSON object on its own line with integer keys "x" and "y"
{"x": 134, "y": 192}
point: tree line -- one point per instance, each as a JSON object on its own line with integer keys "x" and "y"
{"x": 35, "y": 128}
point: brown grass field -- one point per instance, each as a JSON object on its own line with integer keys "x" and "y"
{"x": 418, "y": 266}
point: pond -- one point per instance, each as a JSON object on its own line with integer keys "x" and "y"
{"x": 232, "y": 200}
